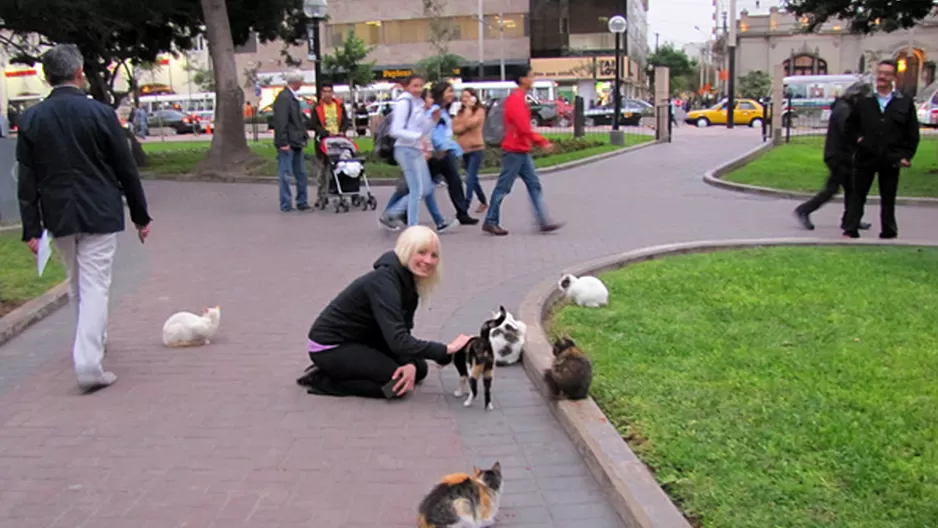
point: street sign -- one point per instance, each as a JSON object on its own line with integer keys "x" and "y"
{"x": 257, "y": 89}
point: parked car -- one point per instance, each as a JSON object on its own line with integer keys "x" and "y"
{"x": 178, "y": 121}
{"x": 632, "y": 112}
{"x": 747, "y": 112}
{"x": 306, "y": 106}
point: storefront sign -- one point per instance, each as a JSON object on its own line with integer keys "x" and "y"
{"x": 20, "y": 73}
{"x": 579, "y": 68}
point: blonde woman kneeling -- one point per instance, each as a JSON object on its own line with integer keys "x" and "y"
{"x": 362, "y": 341}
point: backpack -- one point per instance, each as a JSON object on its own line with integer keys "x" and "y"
{"x": 493, "y": 131}
{"x": 384, "y": 141}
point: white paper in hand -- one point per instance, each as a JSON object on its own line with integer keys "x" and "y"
{"x": 44, "y": 253}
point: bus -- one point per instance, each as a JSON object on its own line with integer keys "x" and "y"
{"x": 812, "y": 95}
{"x": 187, "y": 103}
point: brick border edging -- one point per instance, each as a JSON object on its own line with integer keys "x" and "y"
{"x": 714, "y": 177}
{"x": 35, "y": 310}
{"x": 386, "y": 182}
{"x": 633, "y": 490}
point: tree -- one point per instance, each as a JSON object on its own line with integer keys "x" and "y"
{"x": 682, "y": 70}
{"x": 203, "y": 78}
{"x": 755, "y": 85}
{"x": 862, "y": 16}
{"x": 116, "y": 35}
{"x": 346, "y": 63}
{"x": 441, "y": 33}
{"x": 438, "y": 67}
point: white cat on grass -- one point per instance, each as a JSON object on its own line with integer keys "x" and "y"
{"x": 585, "y": 291}
{"x": 185, "y": 329}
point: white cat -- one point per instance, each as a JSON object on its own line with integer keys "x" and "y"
{"x": 184, "y": 329}
{"x": 585, "y": 291}
{"x": 507, "y": 339}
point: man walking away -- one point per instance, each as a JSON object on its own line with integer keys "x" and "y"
{"x": 290, "y": 138}
{"x": 329, "y": 119}
{"x": 887, "y": 127}
{"x": 517, "y": 161}
{"x": 839, "y": 149}
{"x": 74, "y": 165}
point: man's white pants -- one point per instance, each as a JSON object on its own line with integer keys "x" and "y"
{"x": 89, "y": 259}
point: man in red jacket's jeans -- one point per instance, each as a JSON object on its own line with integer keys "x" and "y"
{"x": 517, "y": 161}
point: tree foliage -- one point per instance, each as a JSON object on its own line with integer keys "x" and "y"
{"x": 755, "y": 85}
{"x": 683, "y": 72}
{"x": 441, "y": 33}
{"x": 438, "y": 67}
{"x": 862, "y": 16}
{"x": 347, "y": 63}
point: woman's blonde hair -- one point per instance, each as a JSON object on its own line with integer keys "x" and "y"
{"x": 414, "y": 239}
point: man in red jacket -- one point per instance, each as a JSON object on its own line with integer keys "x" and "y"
{"x": 517, "y": 161}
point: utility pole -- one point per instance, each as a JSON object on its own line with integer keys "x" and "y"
{"x": 501, "y": 43}
{"x": 656, "y": 41}
{"x": 731, "y": 74}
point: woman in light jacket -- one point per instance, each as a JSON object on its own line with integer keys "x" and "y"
{"x": 468, "y": 127}
{"x": 411, "y": 126}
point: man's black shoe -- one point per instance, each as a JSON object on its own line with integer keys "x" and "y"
{"x": 804, "y": 220}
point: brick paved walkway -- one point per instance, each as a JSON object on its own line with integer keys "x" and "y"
{"x": 221, "y": 437}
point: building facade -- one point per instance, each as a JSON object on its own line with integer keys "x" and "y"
{"x": 779, "y": 38}
{"x": 571, "y": 44}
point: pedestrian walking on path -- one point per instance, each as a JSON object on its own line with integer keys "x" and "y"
{"x": 517, "y": 161}
{"x": 839, "y": 151}
{"x": 467, "y": 126}
{"x": 74, "y": 166}
{"x": 361, "y": 344}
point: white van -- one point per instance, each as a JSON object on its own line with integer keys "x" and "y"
{"x": 926, "y": 103}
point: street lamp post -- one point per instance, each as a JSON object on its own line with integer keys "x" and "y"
{"x": 617, "y": 26}
{"x": 315, "y": 11}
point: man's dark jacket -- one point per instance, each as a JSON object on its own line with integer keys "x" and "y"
{"x": 377, "y": 310}
{"x": 289, "y": 121}
{"x": 74, "y": 164}
{"x": 886, "y": 137}
{"x": 840, "y": 142}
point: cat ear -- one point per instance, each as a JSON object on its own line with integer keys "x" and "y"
{"x": 497, "y": 467}
{"x": 476, "y": 470}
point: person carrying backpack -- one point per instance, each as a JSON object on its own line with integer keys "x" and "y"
{"x": 516, "y": 157}
{"x": 410, "y": 127}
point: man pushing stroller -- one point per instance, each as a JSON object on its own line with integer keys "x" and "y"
{"x": 328, "y": 119}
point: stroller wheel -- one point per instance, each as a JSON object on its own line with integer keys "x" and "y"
{"x": 322, "y": 203}
{"x": 338, "y": 207}
{"x": 372, "y": 202}
{"x": 356, "y": 201}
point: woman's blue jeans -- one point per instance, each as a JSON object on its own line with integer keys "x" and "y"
{"x": 472, "y": 161}
{"x": 419, "y": 185}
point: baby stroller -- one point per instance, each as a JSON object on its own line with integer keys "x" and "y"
{"x": 348, "y": 184}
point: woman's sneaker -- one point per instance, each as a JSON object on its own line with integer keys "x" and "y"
{"x": 394, "y": 224}
{"x": 447, "y": 224}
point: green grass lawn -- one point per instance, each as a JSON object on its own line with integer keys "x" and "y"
{"x": 799, "y": 166}
{"x": 18, "y": 280}
{"x": 783, "y": 387}
{"x": 181, "y": 157}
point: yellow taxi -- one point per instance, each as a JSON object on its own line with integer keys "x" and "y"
{"x": 748, "y": 112}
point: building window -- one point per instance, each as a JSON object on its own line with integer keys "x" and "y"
{"x": 805, "y": 65}
{"x": 513, "y": 26}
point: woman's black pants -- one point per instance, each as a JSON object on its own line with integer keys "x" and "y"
{"x": 354, "y": 369}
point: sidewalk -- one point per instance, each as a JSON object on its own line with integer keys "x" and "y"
{"x": 220, "y": 436}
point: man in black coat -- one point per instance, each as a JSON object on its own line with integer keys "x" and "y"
{"x": 839, "y": 149}
{"x": 887, "y": 129}
{"x": 290, "y": 137}
{"x": 75, "y": 164}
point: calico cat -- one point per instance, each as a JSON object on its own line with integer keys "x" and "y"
{"x": 508, "y": 340}
{"x": 572, "y": 371}
{"x": 478, "y": 356}
{"x": 461, "y": 500}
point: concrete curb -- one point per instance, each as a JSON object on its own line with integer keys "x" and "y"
{"x": 17, "y": 321}
{"x": 386, "y": 182}
{"x": 714, "y": 177}
{"x": 9, "y": 228}
{"x": 633, "y": 490}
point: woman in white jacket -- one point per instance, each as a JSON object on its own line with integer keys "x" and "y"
{"x": 411, "y": 124}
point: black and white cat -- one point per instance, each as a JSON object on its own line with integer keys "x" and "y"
{"x": 508, "y": 338}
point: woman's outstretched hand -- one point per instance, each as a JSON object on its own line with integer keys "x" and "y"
{"x": 457, "y": 344}
{"x": 406, "y": 377}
